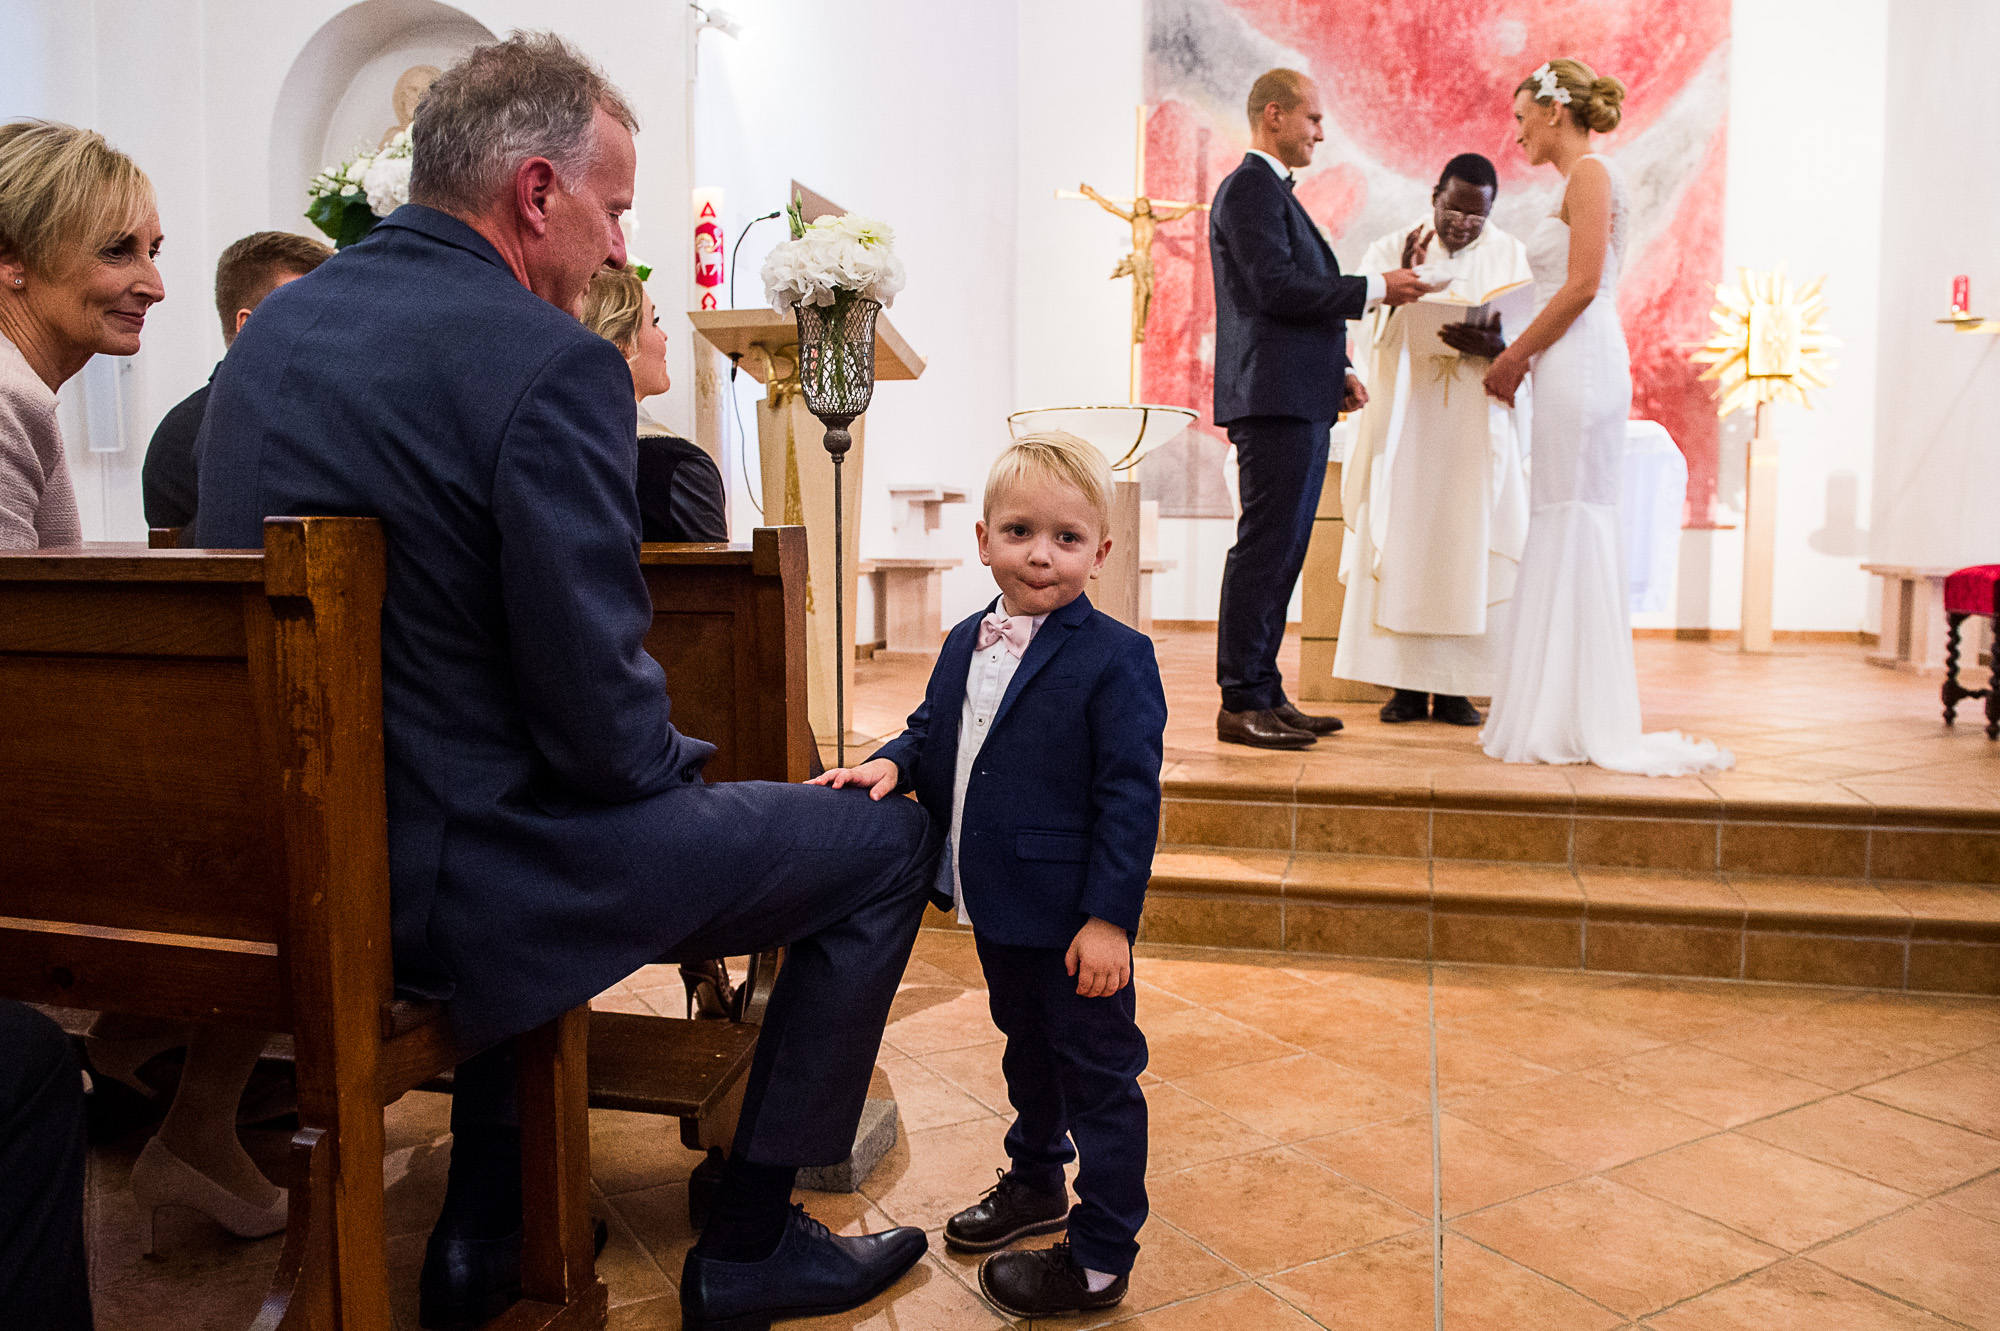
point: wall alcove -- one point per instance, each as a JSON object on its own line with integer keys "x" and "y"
{"x": 336, "y": 97}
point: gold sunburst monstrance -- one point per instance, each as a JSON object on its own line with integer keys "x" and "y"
{"x": 1769, "y": 346}
{"x": 1769, "y": 343}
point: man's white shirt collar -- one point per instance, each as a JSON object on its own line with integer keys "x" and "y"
{"x": 1284, "y": 172}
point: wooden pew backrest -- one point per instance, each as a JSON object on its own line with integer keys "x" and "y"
{"x": 175, "y": 785}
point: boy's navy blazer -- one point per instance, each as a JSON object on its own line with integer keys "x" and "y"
{"x": 1063, "y": 809}
{"x": 1281, "y": 302}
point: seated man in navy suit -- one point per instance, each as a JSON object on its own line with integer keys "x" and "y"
{"x": 549, "y": 829}
{"x": 1038, "y": 744}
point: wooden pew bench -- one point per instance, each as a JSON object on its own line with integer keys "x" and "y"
{"x": 193, "y": 760}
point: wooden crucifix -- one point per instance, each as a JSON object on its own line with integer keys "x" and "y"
{"x": 1144, "y": 215}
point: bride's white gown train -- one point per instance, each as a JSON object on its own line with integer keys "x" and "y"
{"x": 1566, "y": 689}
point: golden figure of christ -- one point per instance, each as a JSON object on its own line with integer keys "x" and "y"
{"x": 1144, "y": 215}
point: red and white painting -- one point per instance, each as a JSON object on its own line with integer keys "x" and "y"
{"x": 1407, "y": 86}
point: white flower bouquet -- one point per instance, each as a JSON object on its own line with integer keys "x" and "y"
{"x": 833, "y": 260}
{"x": 345, "y": 201}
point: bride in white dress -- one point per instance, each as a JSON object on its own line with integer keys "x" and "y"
{"x": 1566, "y": 689}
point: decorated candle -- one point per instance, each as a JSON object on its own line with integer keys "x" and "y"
{"x": 1961, "y": 295}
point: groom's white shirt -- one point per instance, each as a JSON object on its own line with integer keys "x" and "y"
{"x": 1378, "y": 287}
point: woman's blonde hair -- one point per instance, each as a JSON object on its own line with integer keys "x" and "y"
{"x": 1594, "y": 102}
{"x": 612, "y": 307}
{"x": 1058, "y": 456}
{"x": 65, "y": 191}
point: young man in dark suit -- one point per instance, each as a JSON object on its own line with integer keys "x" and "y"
{"x": 248, "y": 271}
{"x": 1281, "y": 379}
{"x": 1038, "y": 744}
{"x": 549, "y": 830}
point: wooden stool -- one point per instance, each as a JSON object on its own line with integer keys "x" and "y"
{"x": 1968, "y": 592}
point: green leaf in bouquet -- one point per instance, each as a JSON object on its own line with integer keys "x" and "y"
{"x": 345, "y": 218}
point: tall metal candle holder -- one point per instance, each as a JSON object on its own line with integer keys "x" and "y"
{"x": 837, "y": 379}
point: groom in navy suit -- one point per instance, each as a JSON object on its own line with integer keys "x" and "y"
{"x": 1281, "y": 379}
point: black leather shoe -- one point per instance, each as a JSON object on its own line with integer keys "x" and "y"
{"x": 1260, "y": 730}
{"x": 1010, "y": 1210}
{"x": 1297, "y": 720}
{"x": 1454, "y": 710}
{"x": 1405, "y": 707}
{"x": 813, "y": 1272}
{"x": 1044, "y": 1282}
{"x": 468, "y": 1282}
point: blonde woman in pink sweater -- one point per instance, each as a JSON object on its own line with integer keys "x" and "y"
{"x": 79, "y": 233}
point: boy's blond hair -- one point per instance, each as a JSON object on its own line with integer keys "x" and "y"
{"x": 1059, "y": 456}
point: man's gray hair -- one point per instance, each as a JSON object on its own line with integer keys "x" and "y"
{"x": 532, "y": 95}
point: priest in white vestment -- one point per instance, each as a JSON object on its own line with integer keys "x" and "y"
{"x": 1435, "y": 492}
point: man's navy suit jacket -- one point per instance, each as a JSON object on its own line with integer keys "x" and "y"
{"x": 1281, "y": 304}
{"x": 1063, "y": 809}
{"x": 412, "y": 378}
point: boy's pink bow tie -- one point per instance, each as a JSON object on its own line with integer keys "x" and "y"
{"x": 1015, "y": 632}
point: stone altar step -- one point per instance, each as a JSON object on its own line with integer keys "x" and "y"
{"x": 1886, "y": 934}
{"x": 1575, "y": 816}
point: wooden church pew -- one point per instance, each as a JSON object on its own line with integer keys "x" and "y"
{"x": 729, "y": 631}
{"x": 195, "y": 768}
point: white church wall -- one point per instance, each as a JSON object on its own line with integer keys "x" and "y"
{"x": 1937, "y": 468}
{"x": 902, "y": 110}
{"x": 1807, "y": 95}
{"x": 1808, "y": 91}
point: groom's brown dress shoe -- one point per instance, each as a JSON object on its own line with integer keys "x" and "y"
{"x": 1297, "y": 720}
{"x": 1260, "y": 730}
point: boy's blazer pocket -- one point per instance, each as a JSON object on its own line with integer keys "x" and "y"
{"x": 1053, "y": 847}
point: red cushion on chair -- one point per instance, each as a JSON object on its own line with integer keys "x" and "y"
{"x": 1970, "y": 590}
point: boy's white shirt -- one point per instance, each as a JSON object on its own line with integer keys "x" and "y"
{"x": 986, "y": 681}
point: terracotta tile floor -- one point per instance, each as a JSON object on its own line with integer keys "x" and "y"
{"x": 1807, "y": 722}
{"x": 1615, "y": 1152}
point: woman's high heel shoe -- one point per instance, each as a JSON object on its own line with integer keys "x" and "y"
{"x": 161, "y": 1179}
{"x": 710, "y": 994}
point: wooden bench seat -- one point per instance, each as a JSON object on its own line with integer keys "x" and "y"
{"x": 193, "y": 761}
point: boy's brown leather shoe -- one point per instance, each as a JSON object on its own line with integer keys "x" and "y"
{"x": 1045, "y": 1282}
{"x": 1010, "y": 1210}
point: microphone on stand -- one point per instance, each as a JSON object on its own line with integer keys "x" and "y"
{"x": 736, "y": 357}
{"x": 734, "y": 250}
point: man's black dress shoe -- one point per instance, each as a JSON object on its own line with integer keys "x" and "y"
{"x": 1297, "y": 720}
{"x": 1406, "y": 706}
{"x": 1260, "y": 730}
{"x": 813, "y": 1272}
{"x": 468, "y": 1282}
{"x": 1010, "y": 1210}
{"x": 1044, "y": 1282}
{"x": 1454, "y": 710}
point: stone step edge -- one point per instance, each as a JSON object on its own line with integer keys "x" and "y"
{"x": 1677, "y": 807}
{"x": 1951, "y": 915}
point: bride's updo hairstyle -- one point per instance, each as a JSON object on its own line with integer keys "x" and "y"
{"x": 1593, "y": 102}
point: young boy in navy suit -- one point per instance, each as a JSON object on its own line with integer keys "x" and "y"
{"x": 1038, "y": 746}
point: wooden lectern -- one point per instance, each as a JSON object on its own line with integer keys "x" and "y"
{"x": 798, "y": 477}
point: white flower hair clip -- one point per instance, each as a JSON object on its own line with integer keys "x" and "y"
{"x": 1551, "y": 90}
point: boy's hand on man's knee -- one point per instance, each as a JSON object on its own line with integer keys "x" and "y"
{"x": 877, "y": 776}
{"x": 1100, "y": 957}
